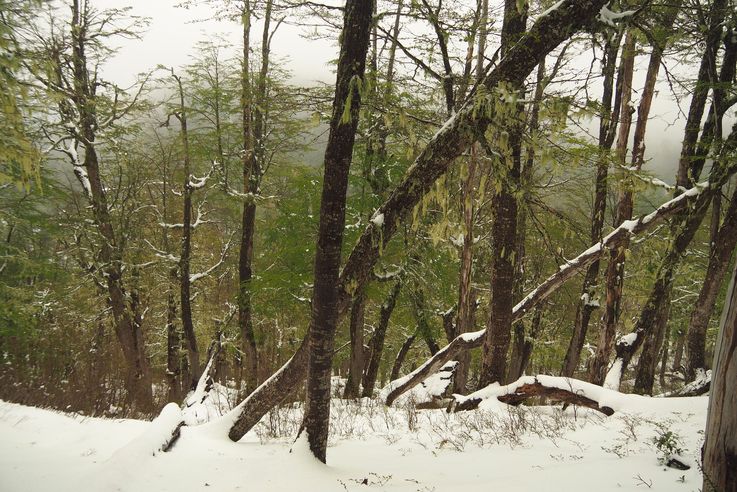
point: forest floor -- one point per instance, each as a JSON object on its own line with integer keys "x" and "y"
{"x": 372, "y": 448}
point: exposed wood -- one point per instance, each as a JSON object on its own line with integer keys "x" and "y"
{"x": 615, "y": 266}
{"x": 720, "y": 446}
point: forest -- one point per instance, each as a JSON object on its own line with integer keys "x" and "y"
{"x": 491, "y": 225}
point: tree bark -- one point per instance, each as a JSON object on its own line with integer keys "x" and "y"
{"x": 338, "y": 154}
{"x": 127, "y": 331}
{"x": 504, "y": 226}
{"x": 719, "y": 258}
{"x": 185, "y": 302}
{"x": 401, "y": 355}
{"x": 720, "y": 446}
{"x": 248, "y": 222}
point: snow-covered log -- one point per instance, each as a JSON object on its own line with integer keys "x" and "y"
{"x": 562, "y": 389}
{"x": 628, "y": 229}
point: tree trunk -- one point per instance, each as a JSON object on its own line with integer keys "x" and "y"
{"x": 248, "y": 223}
{"x": 377, "y": 341}
{"x": 173, "y": 370}
{"x": 352, "y": 386}
{"x": 193, "y": 354}
{"x": 615, "y": 267}
{"x": 720, "y": 446}
{"x": 722, "y": 250}
{"x": 525, "y": 344}
{"x": 504, "y": 226}
{"x": 607, "y": 131}
{"x": 401, "y": 355}
{"x": 343, "y": 124}
{"x": 127, "y": 331}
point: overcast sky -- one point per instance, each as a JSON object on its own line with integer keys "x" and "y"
{"x": 173, "y": 32}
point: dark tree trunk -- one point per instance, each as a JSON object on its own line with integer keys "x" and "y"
{"x": 653, "y": 338}
{"x": 173, "y": 370}
{"x": 346, "y": 105}
{"x": 720, "y": 446}
{"x": 248, "y": 223}
{"x": 377, "y": 341}
{"x": 401, "y": 355}
{"x": 355, "y": 367}
{"x": 722, "y": 242}
{"x": 504, "y": 226}
{"x": 707, "y": 75}
{"x": 127, "y": 331}
{"x": 518, "y": 365}
{"x": 193, "y": 354}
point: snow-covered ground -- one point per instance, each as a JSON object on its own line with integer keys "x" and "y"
{"x": 372, "y": 448}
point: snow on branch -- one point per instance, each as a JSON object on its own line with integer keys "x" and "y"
{"x": 610, "y": 17}
{"x": 163, "y": 254}
{"x": 223, "y": 254}
{"x": 195, "y": 183}
{"x": 198, "y": 221}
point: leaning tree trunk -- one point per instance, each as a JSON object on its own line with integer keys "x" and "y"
{"x": 720, "y": 446}
{"x": 723, "y": 247}
{"x": 401, "y": 355}
{"x": 432, "y": 162}
{"x": 343, "y": 124}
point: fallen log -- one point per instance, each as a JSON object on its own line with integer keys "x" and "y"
{"x": 537, "y": 389}
{"x": 566, "y": 390}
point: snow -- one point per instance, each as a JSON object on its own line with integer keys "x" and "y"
{"x": 552, "y": 8}
{"x": 628, "y": 339}
{"x": 378, "y": 219}
{"x": 614, "y": 375}
{"x": 610, "y": 18}
{"x": 371, "y": 448}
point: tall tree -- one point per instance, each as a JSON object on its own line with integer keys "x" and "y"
{"x": 504, "y": 211}
{"x": 338, "y": 154}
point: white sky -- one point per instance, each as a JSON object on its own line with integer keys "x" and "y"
{"x": 173, "y": 33}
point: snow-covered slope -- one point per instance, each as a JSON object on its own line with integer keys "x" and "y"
{"x": 373, "y": 448}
